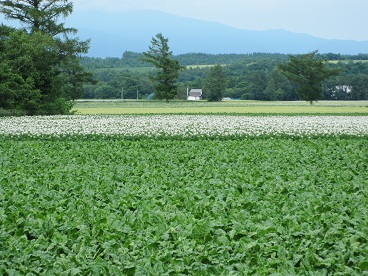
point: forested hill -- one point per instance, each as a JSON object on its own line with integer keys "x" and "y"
{"x": 250, "y": 76}
{"x": 132, "y": 59}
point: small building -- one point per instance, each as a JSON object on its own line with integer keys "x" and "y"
{"x": 194, "y": 95}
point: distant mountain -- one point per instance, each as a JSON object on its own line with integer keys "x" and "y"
{"x": 114, "y": 33}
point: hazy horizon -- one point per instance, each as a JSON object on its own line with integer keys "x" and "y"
{"x": 330, "y": 19}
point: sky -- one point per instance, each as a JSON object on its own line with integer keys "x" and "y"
{"x": 332, "y": 19}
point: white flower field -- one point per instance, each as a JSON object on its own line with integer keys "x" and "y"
{"x": 184, "y": 125}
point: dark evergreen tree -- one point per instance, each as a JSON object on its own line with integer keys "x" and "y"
{"x": 39, "y": 15}
{"x": 308, "y": 72}
{"x": 168, "y": 68}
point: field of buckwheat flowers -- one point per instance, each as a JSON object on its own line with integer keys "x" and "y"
{"x": 184, "y": 125}
{"x": 184, "y": 195}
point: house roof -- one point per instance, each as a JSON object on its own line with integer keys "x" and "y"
{"x": 195, "y": 92}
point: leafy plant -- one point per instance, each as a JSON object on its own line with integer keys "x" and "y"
{"x": 160, "y": 206}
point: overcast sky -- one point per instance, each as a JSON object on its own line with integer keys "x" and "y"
{"x": 333, "y": 19}
{"x": 336, "y": 19}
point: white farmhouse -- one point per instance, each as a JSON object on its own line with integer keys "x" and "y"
{"x": 194, "y": 95}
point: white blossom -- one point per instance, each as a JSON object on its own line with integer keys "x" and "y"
{"x": 184, "y": 125}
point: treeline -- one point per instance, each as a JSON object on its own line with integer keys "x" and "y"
{"x": 133, "y": 59}
{"x": 249, "y": 76}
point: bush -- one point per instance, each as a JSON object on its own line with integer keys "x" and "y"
{"x": 11, "y": 112}
{"x": 59, "y": 106}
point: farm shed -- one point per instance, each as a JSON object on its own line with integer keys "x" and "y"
{"x": 194, "y": 95}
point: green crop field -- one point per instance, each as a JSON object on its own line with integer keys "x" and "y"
{"x": 196, "y": 194}
{"x": 225, "y": 107}
{"x": 347, "y": 61}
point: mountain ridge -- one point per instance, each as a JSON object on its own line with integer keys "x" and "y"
{"x": 116, "y": 32}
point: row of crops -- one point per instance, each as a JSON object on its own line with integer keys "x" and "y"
{"x": 184, "y": 195}
{"x": 183, "y": 125}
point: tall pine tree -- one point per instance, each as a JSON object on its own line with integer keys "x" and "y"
{"x": 308, "y": 73}
{"x": 167, "y": 73}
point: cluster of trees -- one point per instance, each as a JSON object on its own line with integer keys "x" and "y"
{"x": 255, "y": 76}
{"x": 40, "y": 70}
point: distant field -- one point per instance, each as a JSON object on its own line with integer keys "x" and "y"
{"x": 200, "y": 66}
{"x": 146, "y": 69}
{"x": 225, "y": 107}
{"x": 347, "y": 61}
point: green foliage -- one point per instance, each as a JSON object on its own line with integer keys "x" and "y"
{"x": 358, "y": 84}
{"x": 35, "y": 78}
{"x": 168, "y": 69}
{"x": 39, "y": 15}
{"x": 28, "y": 72}
{"x": 106, "y": 91}
{"x": 112, "y": 83}
{"x": 207, "y": 207}
{"x": 215, "y": 84}
{"x": 308, "y": 73}
{"x": 74, "y": 77}
{"x": 251, "y": 77}
{"x": 40, "y": 72}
